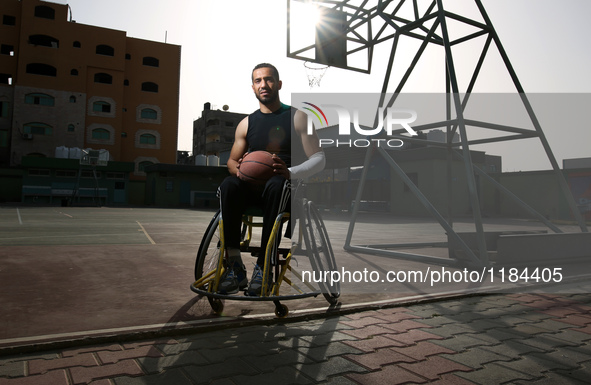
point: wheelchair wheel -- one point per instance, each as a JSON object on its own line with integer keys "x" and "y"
{"x": 322, "y": 256}
{"x": 209, "y": 248}
{"x": 208, "y": 257}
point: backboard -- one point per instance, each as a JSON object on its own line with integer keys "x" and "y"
{"x": 94, "y": 157}
{"x": 333, "y": 33}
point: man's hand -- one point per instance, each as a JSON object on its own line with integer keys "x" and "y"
{"x": 238, "y": 166}
{"x": 280, "y": 168}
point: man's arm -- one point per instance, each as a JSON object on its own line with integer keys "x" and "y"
{"x": 239, "y": 147}
{"x": 316, "y": 160}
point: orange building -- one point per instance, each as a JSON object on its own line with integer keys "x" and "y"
{"x": 76, "y": 86}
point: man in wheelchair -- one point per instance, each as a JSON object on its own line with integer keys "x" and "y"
{"x": 275, "y": 128}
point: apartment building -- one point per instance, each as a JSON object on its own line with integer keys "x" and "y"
{"x": 68, "y": 85}
{"x": 213, "y": 132}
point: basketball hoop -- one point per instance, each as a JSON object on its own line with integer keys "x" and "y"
{"x": 314, "y": 72}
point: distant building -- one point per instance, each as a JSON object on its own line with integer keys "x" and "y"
{"x": 574, "y": 163}
{"x": 441, "y": 136}
{"x": 213, "y": 133}
{"x": 69, "y": 85}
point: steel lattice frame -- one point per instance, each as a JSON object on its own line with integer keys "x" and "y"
{"x": 430, "y": 26}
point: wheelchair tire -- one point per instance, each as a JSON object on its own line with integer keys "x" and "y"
{"x": 209, "y": 248}
{"x": 322, "y": 255}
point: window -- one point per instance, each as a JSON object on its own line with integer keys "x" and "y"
{"x": 149, "y": 87}
{"x": 41, "y": 69}
{"x": 44, "y": 41}
{"x": 5, "y": 79}
{"x": 74, "y": 72}
{"x": 77, "y": 44}
{"x": 126, "y": 82}
{"x": 4, "y": 109}
{"x": 147, "y": 139}
{"x": 66, "y": 173}
{"x": 6, "y": 49}
{"x": 103, "y": 49}
{"x": 148, "y": 113}
{"x": 71, "y": 128}
{"x": 101, "y": 107}
{"x": 115, "y": 175}
{"x": 143, "y": 165}
{"x": 8, "y": 20}
{"x": 151, "y": 61}
{"x": 37, "y": 129}
{"x": 44, "y": 12}
{"x": 40, "y": 99}
{"x": 38, "y": 171}
{"x": 90, "y": 174}
{"x": 101, "y": 134}
{"x": 104, "y": 78}
{"x": 72, "y": 99}
{"x": 127, "y": 56}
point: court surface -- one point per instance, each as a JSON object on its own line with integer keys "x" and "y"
{"x": 69, "y": 273}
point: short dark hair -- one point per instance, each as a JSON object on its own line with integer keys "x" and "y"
{"x": 266, "y": 65}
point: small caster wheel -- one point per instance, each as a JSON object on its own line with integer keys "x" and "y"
{"x": 216, "y": 305}
{"x": 281, "y": 311}
{"x": 332, "y": 300}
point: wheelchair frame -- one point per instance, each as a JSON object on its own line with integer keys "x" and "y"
{"x": 210, "y": 261}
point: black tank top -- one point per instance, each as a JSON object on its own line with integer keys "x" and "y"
{"x": 273, "y": 132}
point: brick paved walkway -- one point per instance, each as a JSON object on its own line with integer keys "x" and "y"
{"x": 517, "y": 339}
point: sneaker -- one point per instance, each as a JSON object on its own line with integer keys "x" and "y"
{"x": 256, "y": 282}
{"x": 234, "y": 280}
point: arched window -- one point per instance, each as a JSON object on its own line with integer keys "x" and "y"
{"x": 77, "y": 44}
{"x": 44, "y": 40}
{"x": 147, "y": 139}
{"x": 104, "y": 78}
{"x": 40, "y": 99}
{"x": 101, "y": 107}
{"x": 103, "y": 49}
{"x": 37, "y": 128}
{"x": 72, "y": 99}
{"x": 41, "y": 69}
{"x": 142, "y": 165}
{"x": 101, "y": 134}
{"x": 149, "y": 113}
{"x": 126, "y": 82}
{"x": 71, "y": 128}
{"x": 149, "y": 87}
{"x": 74, "y": 72}
{"x": 151, "y": 61}
{"x": 44, "y": 12}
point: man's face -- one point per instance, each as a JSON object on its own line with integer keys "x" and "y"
{"x": 265, "y": 86}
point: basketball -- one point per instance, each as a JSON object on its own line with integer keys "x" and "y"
{"x": 256, "y": 167}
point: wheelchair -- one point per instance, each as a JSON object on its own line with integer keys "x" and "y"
{"x": 310, "y": 248}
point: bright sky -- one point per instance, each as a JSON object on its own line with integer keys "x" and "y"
{"x": 222, "y": 40}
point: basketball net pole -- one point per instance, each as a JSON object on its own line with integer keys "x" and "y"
{"x": 455, "y": 104}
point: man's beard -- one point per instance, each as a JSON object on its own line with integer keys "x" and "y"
{"x": 268, "y": 100}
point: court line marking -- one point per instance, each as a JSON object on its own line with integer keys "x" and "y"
{"x": 18, "y": 213}
{"x": 146, "y": 233}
